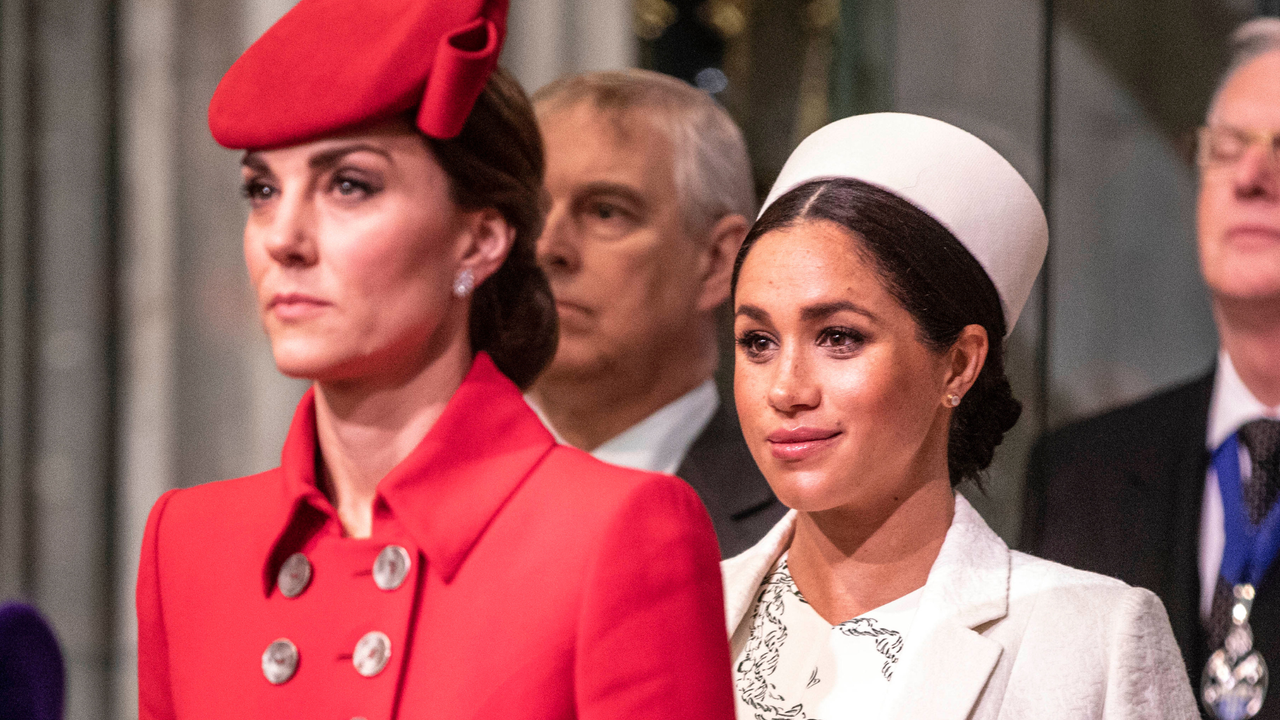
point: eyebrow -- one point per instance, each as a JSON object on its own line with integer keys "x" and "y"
{"x": 253, "y": 160}
{"x": 753, "y": 312}
{"x": 604, "y": 187}
{"x": 810, "y": 313}
{"x": 320, "y": 161}
{"x": 329, "y": 158}
{"x": 822, "y": 310}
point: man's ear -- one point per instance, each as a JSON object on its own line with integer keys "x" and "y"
{"x": 718, "y": 255}
{"x": 487, "y": 243}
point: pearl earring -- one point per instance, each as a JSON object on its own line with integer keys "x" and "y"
{"x": 464, "y": 283}
{"x": 953, "y": 400}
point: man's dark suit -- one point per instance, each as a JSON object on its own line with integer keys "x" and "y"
{"x": 1120, "y": 494}
{"x": 720, "y": 468}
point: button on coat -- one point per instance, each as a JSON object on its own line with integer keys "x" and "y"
{"x": 391, "y": 567}
{"x": 279, "y": 661}
{"x": 294, "y": 576}
{"x": 372, "y": 653}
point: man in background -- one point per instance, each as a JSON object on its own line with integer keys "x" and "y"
{"x": 651, "y": 195}
{"x": 1139, "y": 492}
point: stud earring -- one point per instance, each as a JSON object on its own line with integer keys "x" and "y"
{"x": 953, "y": 400}
{"x": 464, "y": 283}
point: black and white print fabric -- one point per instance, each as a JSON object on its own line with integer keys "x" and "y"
{"x": 797, "y": 666}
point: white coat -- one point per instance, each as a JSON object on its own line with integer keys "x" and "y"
{"x": 1002, "y": 634}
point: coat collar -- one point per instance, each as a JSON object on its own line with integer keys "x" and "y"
{"x": 967, "y": 587}
{"x": 449, "y": 488}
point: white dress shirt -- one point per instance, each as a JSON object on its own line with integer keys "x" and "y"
{"x": 1231, "y": 406}
{"x": 659, "y": 442}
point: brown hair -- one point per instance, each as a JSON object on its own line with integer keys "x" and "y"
{"x": 496, "y": 161}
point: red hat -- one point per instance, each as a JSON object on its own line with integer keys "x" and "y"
{"x": 328, "y": 65}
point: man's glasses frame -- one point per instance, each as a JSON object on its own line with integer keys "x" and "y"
{"x": 1222, "y": 145}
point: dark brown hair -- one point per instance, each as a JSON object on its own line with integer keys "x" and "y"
{"x": 935, "y": 279}
{"x": 496, "y": 161}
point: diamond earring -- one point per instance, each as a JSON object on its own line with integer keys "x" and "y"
{"x": 953, "y": 400}
{"x": 464, "y": 283}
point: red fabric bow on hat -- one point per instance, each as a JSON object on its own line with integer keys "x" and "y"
{"x": 330, "y": 65}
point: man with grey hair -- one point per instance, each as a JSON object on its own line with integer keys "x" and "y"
{"x": 651, "y": 195}
{"x": 1177, "y": 493}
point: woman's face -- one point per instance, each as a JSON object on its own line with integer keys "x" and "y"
{"x": 840, "y": 402}
{"x": 353, "y": 244}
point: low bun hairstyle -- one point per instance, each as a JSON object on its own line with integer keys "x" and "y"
{"x": 935, "y": 279}
{"x": 496, "y": 161}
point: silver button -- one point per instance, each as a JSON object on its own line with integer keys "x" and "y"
{"x": 391, "y": 567}
{"x": 294, "y": 575}
{"x": 280, "y": 661}
{"x": 372, "y": 653}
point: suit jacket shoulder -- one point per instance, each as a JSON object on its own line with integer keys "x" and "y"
{"x": 1108, "y": 645}
{"x": 720, "y": 468}
{"x": 1085, "y": 477}
{"x": 1120, "y": 494}
{"x": 1170, "y": 417}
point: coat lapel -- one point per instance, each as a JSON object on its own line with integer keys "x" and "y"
{"x": 1181, "y": 593}
{"x": 947, "y": 662}
{"x": 743, "y": 573}
{"x": 946, "y": 674}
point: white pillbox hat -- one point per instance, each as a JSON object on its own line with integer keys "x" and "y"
{"x": 954, "y": 177}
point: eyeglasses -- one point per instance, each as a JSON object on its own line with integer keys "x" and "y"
{"x": 1220, "y": 146}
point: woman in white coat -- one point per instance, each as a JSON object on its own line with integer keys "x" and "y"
{"x": 872, "y": 298}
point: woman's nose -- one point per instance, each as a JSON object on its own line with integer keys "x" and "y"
{"x": 290, "y": 235}
{"x": 793, "y": 387}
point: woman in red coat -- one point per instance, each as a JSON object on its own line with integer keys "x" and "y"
{"x": 425, "y": 549}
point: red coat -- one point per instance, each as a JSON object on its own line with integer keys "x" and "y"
{"x": 542, "y": 584}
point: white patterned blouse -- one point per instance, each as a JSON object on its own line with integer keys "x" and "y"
{"x": 797, "y": 666}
